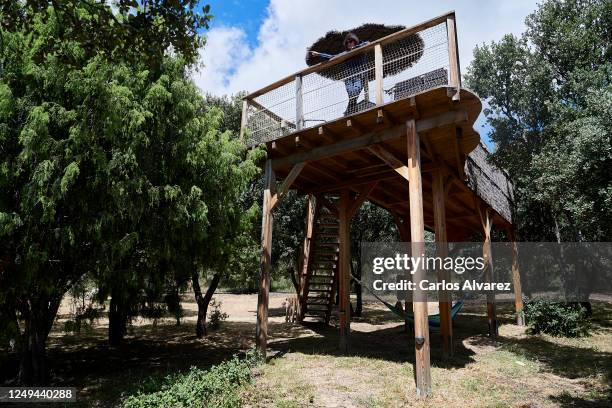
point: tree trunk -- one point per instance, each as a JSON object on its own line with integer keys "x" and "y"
{"x": 294, "y": 280}
{"x": 117, "y": 318}
{"x": 203, "y": 301}
{"x": 38, "y": 322}
{"x": 356, "y": 271}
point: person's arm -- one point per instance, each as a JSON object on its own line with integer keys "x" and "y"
{"x": 322, "y": 55}
{"x": 361, "y": 44}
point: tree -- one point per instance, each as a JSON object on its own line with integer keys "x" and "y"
{"x": 550, "y": 95}
{"x": 110, "y": 161}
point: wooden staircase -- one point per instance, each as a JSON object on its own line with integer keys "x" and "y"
{"x": 320, "y": 279}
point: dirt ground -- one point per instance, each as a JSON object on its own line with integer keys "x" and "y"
{"x": 306, "y": 370}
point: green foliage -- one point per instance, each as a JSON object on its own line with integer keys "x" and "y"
{"x": 549, "y": 94}
{"x": 217, "y": 387}
{"x": 125, "y": 30}
{"x": 216, "y": 316}
{"x": 556, "y": 319}
{"x": 111, "y": 162}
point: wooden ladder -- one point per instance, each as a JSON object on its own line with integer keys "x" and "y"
{"x": 321, "y": 272}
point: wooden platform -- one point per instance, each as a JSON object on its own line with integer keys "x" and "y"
{"x": 366, "y": 152}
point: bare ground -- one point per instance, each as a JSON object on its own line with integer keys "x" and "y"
{"x": 305, "y": 370}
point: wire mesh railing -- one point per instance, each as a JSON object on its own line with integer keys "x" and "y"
{"x": 395, "y": 67}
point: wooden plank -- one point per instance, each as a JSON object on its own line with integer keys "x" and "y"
{"x": 485, "y": 219}
{"x": 453, "y": 57}
{"x": 444, "y": 301}
{"x": 388, "y": 157}
{"x": 265, "y": 261}
{"x": 299, "y": 103}
{"x": 344, "y": 270}
{"x": 366, "y": 48}
{"x": 370, "y": 138}
{"x": 378, "y": 74}
{"x": 287, "y": 182}
{"x": 417, "y": 232}
{"x": 516, "y": 280}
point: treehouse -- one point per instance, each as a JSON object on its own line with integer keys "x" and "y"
{"x": 406, "y": 143}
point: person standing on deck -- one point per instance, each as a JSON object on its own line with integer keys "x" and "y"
{"x": 353, "y": 83}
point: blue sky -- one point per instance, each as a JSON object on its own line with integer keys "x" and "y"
{"x": 253, "y": 43}
{"x": 249, "y": 15}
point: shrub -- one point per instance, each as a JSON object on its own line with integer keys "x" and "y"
{"x": 215, "y": 317}
{"x": 216, "y": 387}
{"x": 556, "y": 319}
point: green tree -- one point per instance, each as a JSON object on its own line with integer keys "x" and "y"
{"x": 550, "y": 100}
{"x": 110, "y": 161}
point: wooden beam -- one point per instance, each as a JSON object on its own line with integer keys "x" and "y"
{"x": 453, "y": 57}
{"x": 265, "y": 262}
{"x": 516, "y": 280}
{"x": 363, "y": 195}
{"x": 378, "y": 74}
{"x": 456, "y": 137}
{"x": 357, "y": 181}
{"x": 396, "y": 132}
{"x": 417, "y": 232}
{"x": 344, "y": 270}
{"x": 444, "y": 301}
{"x": 389, "y": 158}
{"x": 287, "y": 182}
{"x": 485, "y": 219}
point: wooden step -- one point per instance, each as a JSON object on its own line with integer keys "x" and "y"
{"x": 327, "y": 235}
{"x": 327, "y": 244}
{"x": 328, "y": 225}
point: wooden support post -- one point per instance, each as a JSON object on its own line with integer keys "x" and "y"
{"x": 453, "y": 57}
{"x": 444, "y": 301}
{"x": 378, "y": 73}
{"x": 299, "y": 104}
{"x": 243, "y": 119}
{"x": 485, "y": 219}
{"x": 417, "y": 233}
{"x": 265, "y": 261}
{"x": 516, "y": 280}
{"x": 344, "y": 270}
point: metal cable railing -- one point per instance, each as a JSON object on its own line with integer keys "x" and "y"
{"x": 398, "y": 66}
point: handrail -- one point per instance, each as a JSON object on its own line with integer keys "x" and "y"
{"x": 394, "y": 67}
{"x": 365, "y": 48}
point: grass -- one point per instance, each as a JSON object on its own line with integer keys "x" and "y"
{"x": 516, "y": 370}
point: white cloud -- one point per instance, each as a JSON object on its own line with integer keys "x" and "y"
{"x": 291, "y": 26}
{"x": 225, "y": 48}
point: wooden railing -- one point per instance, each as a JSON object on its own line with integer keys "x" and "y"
{"x": 395, "y": 67}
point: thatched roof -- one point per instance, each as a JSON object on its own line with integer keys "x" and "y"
{"x": 489, "y": 182}
{"x": 409, "y": 47}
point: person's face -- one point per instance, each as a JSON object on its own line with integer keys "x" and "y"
{"x": 350, "y": 44}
